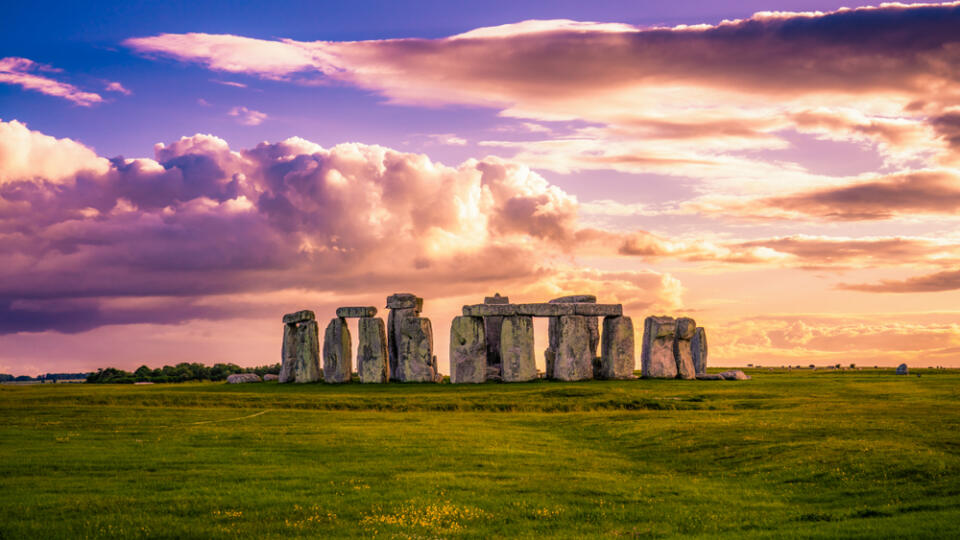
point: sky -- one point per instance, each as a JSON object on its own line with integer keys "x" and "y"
{"x": 176, "y": 176}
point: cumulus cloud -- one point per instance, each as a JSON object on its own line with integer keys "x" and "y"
{"x": 30, "y": 75}
{"x": 248, "y": 117}
{"x": 79, "y": 233}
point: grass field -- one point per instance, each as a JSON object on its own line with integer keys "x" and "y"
{"x": 800, "y": 454}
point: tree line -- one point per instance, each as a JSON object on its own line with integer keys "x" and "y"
{"x": 181, "y": 372}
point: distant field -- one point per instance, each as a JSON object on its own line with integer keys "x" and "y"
{"x": 800, "y": 454}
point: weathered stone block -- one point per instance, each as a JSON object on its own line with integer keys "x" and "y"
{"x": 336, "y": 352}
{"x": 656, "y": 357}
{"x": 491, "y": 330}
{"x": 394, "y": 324}
{"x": 355, "y": 312}
{"x": 573, "y": 360}
{"x": 544, "y": 310}
{"x": 270, "y": 377}
{"x": 373, "y": 365}
{"x": 415, "y": 361}
{"x": 496, "y": 299}
{"x": 288, "y": 352}
{"x": 617, "y": 359}
{"x": 682, "y": 349}
{"x": 299, "y": 316}
{"x": 516, "y": 349}
{"x": 709, "y": 377}
{"x": 575, "y": 299}
{"x": 306, "y": 364}
{"x": 735, "y": 375}
{"x": 405, "y": 301}
{"x": 549, "y": 356}
{"x": 599, "y": 310}
{"x": 489, "y": 310}
{"x": 468, "y": 350}
{"x": 238, "y": 378}
{"x": 698, "y": 346}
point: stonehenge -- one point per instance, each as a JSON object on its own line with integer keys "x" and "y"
{"x": 492, "y": 341}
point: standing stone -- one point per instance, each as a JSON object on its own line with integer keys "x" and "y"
{"x": 617, "y": 359}
{"x": 516, "y": 349}
{"x": 306, "y": 362}
{"x": 656, "y": 357}
{"x": 682, "y": 349}
{"x": 415, "y": 359}
{"x": 468, "y": 350}
{"x": 573, "y": 359}
{"x": 553, "y": 333}
{"x": 288, "y": 354}
{"x": 699, "y": 349}
{"x": 491, "y": 329}
{"x": 902, "y": 369}
{"x": 373, "y": 365}
{"x": 402, "y": 306}
{"x": 336, "y": 352}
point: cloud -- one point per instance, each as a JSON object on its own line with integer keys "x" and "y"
{"x": 88, "y": 241}
{"x": 248, "y": 117}
{"x": 937, "y": 282}
{"x": 685, "y": 100}
{"x": 117, "y": 87}
{"x": 29, "y": 75}
{"x": 230, "y": 83}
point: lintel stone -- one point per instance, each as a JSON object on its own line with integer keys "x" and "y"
{"x": 299, "y": 316}
{"x": 356, "y": 312}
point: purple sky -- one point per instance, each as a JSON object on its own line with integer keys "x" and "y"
{"x": 175, "y": 177}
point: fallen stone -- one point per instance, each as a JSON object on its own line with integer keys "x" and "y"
{"x": 336, "y": 352}
{"x": 575, "y": 299}
{"x": 405, "y": 301}
{"x": 238, "y": 378}
{"x": 468, "y": 350}
{"x": 617, "y": 358}
{"x": 356, "y": 312}
{"x": 573, "y": 359}
{"x": 682, "y": 348}
{"x": 698, "y": 347}
{"x": 299, "y": 316}
{"x": 735, "y": 375}
{"x": 496, "y": 299}
{"x": 415, "y": 361}
{"x": 656, "y": 358}
{"x": 709, "y": 377}
{"x": 270, "y": 377}
{"x": 516, "y": 349}
{"x": 373, "y": 364}
{"x": 902, "y": 369}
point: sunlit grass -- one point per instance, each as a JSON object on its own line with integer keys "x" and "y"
{"x": 801, "y": 454}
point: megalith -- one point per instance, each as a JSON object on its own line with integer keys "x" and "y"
{"x": 373, "y": 365}
{"x": 698, "y": 346}
{"x": 468, "y": 350}
{"x": 573, "y": 358}
{"x": 656, "y": 356}
{"x": 402, "y": 306}
{"x": 415, "y": 359}
{"x": 336, "y": 352}
{"x": 491, "y": 328}
{"x": 617, "y": 356}
{"x": 516, "y": 349}
{"x": 300, "y": 352}
{"x": 682, "y": 349}
{"x": 553, "y": 333}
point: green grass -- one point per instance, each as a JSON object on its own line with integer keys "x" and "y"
{"x": 800, "y": 455}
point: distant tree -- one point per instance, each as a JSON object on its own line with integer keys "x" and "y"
{"x": 6, "y": 377}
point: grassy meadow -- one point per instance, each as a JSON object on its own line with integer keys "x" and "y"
{"x": 801, "y": 454}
